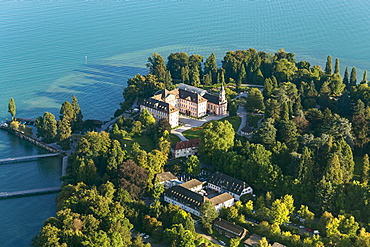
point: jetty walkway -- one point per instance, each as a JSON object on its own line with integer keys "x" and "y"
{"x": 4, "y": 195}
{"x": 26, "y": 158}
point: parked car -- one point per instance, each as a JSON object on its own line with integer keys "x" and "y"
{"x": 142, "y": 234}
{"x": 316, "y": 232}
{"x": 222, "y": 242}
{"x": 309, "y": 230}
{"x": 301, "y": 227}
{"x": 146, "y": 236}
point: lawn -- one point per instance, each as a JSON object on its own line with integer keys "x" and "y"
{"x": 253, "y": 119}
{"x": 196, "y": 132}
{"x": 145, "y": 142}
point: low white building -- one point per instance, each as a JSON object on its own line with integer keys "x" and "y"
{"x": 185, "y": 148}
{"x": 224, "y": 200}
{"x": 221, "y": 182}
{"x": 190, "y": 201}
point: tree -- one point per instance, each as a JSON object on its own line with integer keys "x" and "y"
{"x": 156, "y": 66}
{"x": 242, "y": 77}
{"x": 268, "y": 88}
{"x": 67, "y": 112}
{"x": 266, "y": 134}
{"x": 255, "y": 100}
{"x": 176, "y": 61}
{"x": 216, "y": 136}
{"x": 64, "y": 132}
{"x": 193, "y": 165}
{"x": 279, "y": 212}
{"x": 195, "y": 77}
{"x": 185, "y": 75}
{"x": 263, "y": 243}
{"x": 207, "y": 79}
{"x": 364, "y": 78}
{"x": 365, "y": 175}
{"x": 328, "y": 66}
{"x": 334, "y": 172}
{"x": 12, "y": 108}
{"x": 353, "y": 77}
{"x": 346, "y": 78}
{"x": 168, "y": 81}
{"x": 306, "y": 214}
{"x": 146, "y": 118}
{"x": 284, "y": 70}
{"x": 336, "y": 67}
{"x": 221, "y": 76}
{"x": 78, "y": 120}
{"x": 210, "y": 67}
{"x": 234, "y": 242}
{"x": 46, "y": 127}
{"x": 208, "y": 212}
{"x": 132, "y": 178}
{"x": 233, "y": 109}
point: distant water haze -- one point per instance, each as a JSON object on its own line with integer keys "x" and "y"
{"x": 43, "y": 49}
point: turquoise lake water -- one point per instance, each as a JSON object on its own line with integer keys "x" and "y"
{"x": 43, "y": 49}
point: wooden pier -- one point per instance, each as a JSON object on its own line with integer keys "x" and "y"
{"x": 4, "y": 195}
{"x": 26, "y": 158}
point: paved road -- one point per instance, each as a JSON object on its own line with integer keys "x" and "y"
{"x": 243, "y": 115}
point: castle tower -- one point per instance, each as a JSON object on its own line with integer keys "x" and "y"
{"x": 222, "y": 94}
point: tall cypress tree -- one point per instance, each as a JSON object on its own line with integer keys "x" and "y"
{"x": 168, "y": 80}
{"x": 221, "y": 76}
{"x": 211, "y": 66}
{"x": 207, "y": 79}
{"x": 268, "y": 88}
{"x": 346, "y": 78}
{"x": 185, "y": 75}
{"x": 365, "y": 169}
{"x": 242, "y": 77}
{"x": 336, "y": 67}
{"x": 12, "y": 108}
{"x": 194, "y": 77}
{"x": 352, "y": 79}
{"x": 364, "y": 78}
{"x": 329, "y": 65}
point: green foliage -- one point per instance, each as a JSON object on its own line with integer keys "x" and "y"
{"x": 46, "y": 127}
{"x": 208, "y": 212}
{"x": 146, "y": 118}
{"x": 210, "y": 67}
{"x": 217, "y": 136}
{"x": 233, "y": 108}
{"x": 156, "y": 66}
{"x": 12, "y": 108}
{"x": 254, "y": 101}
{"x": 193, "y": 165}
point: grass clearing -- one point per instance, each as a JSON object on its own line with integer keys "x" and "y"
{"x": 145, "y": 142}
{"x": 253, "y": 119}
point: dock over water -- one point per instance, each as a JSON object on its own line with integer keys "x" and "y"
{"x": 4, "y": 195}
{"x": 26, "y": 158}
